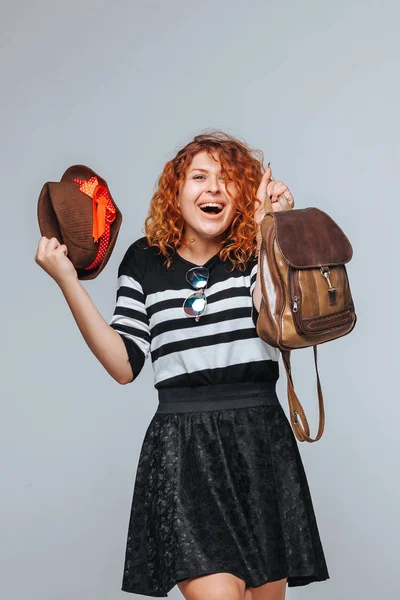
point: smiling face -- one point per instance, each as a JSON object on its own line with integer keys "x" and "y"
{"x": 203, "y": 199}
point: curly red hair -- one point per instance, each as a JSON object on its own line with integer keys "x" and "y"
{"x": 164, "y": 225}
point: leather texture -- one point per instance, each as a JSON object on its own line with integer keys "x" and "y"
{"x": 308, "y": 237}
{"x": 221, "y": 491}
{"x": 306, "y": 296}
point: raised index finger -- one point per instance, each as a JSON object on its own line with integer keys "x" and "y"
{"x": 265, "y": 180}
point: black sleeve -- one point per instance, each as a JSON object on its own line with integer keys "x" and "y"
{"x": 254, "y": 314}
{"x": 253, "y": 278}
{"x": 130, "y": 317}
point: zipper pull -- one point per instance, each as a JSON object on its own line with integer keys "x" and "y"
{"x": 295, "y": 299}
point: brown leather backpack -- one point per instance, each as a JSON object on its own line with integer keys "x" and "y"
{"x": 306, "y": 297}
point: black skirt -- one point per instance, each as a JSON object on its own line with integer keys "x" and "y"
{"x": 220, "y": 487}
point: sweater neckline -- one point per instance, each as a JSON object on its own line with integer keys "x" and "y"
{"x": 211, "y": 260}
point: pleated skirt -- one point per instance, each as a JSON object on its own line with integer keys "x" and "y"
{"x": 220, "y": 487}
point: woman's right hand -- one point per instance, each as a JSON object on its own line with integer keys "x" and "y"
{"x": 52, "y": 257}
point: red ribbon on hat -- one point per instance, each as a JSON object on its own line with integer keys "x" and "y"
{"x": 104, "y": 213}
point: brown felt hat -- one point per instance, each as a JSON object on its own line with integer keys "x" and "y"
{"x": 81, "y": 213}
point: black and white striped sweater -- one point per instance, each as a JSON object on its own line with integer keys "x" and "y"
{"x": 222, "y": 347}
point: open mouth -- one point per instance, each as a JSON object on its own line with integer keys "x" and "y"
{"x": 213, "y": 208}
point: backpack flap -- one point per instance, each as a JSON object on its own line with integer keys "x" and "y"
{"x": 309, "y": 238}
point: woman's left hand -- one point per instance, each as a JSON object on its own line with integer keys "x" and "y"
{"x": 278, "y": 193}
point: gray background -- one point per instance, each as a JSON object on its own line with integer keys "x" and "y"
{"x": 121, "y": 86}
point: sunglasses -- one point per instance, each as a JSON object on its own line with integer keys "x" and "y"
{"x": 195, "y": 305}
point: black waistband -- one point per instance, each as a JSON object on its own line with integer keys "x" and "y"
{"x": 216, "y": 397}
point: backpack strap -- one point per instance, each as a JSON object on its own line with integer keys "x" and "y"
{"x": 301, "y": 428}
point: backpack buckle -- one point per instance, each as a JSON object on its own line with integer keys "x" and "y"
{"x": 331, "y": 290}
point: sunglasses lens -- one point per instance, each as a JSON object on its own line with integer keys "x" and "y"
{"x": 195, "y": 305}
{"x": 197, "y": 277}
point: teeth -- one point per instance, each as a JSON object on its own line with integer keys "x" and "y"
{"x": 212, "y": 204}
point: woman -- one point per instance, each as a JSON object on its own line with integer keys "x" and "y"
{"x": 221, "y": 505}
